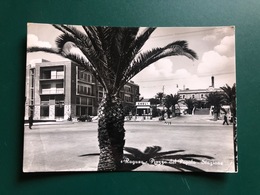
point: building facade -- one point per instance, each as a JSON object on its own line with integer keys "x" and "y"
{"x": 59, "y": 90}
{"x": 200, "y": 95}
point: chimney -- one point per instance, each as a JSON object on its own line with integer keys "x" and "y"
{"x": 212, "y": 81}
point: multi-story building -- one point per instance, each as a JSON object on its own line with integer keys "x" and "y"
{"x": 59, "y": 90}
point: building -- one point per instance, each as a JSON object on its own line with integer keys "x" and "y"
{"x": 199, "y": 94}
{"x": 143, "y": 108}
{"x": 59, "y": 90}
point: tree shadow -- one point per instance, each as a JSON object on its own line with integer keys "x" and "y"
{"x": 176, "y": 159}
{"x": 134, "y": 158}
{"x": 92, "y": 154}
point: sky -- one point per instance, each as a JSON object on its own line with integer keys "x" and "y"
{"x": 215, "y": 47}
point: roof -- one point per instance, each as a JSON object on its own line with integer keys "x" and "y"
{"x": 194, "y": 91}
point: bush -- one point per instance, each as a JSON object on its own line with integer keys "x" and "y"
{"x": 84, "y": 118}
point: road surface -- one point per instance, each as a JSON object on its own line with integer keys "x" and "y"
{"x": 72, "y": 146}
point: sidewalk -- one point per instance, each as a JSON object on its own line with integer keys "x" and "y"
{"x": 50, "y": 123}
{"x": 186, "y": 119}
{"x": 183, "y": 119}
{"x": 200, "y": 119}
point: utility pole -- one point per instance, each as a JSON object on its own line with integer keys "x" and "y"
{"x": 162, "y": 97}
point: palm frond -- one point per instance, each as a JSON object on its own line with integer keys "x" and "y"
{"x": 91, "y": 31}
{"x": 59, "y": 28}
{"x": 85, "y": 46}
{"x": 178, "y": 48}
{"x": 145, "y": 59}
{"x": 44, "y": 49}
{"x": 112, "y": 53}
{"x": 139, "y": 42}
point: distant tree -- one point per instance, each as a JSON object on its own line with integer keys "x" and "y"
{"x": 175, "y": 100}
{"x": 154, "y": 101}
{"x": 160, "y": 96}
{"x": 216, "y": 100}
{"x": 170, "y": 102}
{"x": 127, "y": 108}
{"x": 168, "y": 105}
{"x": 155, "y": 111}
{"x": 190, "y": 103}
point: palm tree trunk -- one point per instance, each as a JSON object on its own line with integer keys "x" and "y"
{"x": 173, "y": 111}
{"x": 111, "y": 133}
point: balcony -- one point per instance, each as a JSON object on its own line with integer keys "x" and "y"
{"x": 53, "y": 91}
{"x": 51, "y": 75}
{"x": 58, "y": 77}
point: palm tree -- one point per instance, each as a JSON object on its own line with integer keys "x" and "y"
{"x": 160, "y": 96}
{"x": 216, "y": 100}
{"x": 230, "y": 98}
{"x": 154, "y": 101}
{"x": 170, "y": 102}
{"x": 175, "y": 100}
{"x": 113, "y": 55}
{"x": 190, "y": 103}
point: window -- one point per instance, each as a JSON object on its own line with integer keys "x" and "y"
{"x": 77, "y": 100}
{"x": 100, "y": 88}
{"x": 85, "y": 89}
{"x": 59, "y": 85}
{"x": 78, "y": 110}
{"x": 89, "y": 111}
{"x": 89, "y": 101}
{"x": 83, "y": 100}
{"x": 60, "y": 74}
{"x": 83, "y": 110}
{"x": 59, "y": 110}
{"x": 127, "y": 88}
{"x": 89, "y": 78}
{"x": 59, "y": 98}
{"x": 46, "y": 86}
{"x": 81, "y": 75}
{"x": 88, "y": 90}
{"x": 44, "y": 111}
{"x": 46, "y": 74}
{"x": 100, "y": 94}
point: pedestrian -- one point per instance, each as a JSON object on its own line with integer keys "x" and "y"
{"x": 225, "y": 120}
{"x": 30, "y": 121}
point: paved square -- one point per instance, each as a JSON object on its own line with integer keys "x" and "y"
{"x": 65, "y": 146}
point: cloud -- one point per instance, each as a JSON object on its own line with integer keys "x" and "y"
{"x": 214, "y": 63}
{"x": 33, "y": 40}
{"x": 226, "y": 46}
{"x": 181, "y": 74}
{"x": 221, "y": 59}
{"x": 163, "y": 68}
